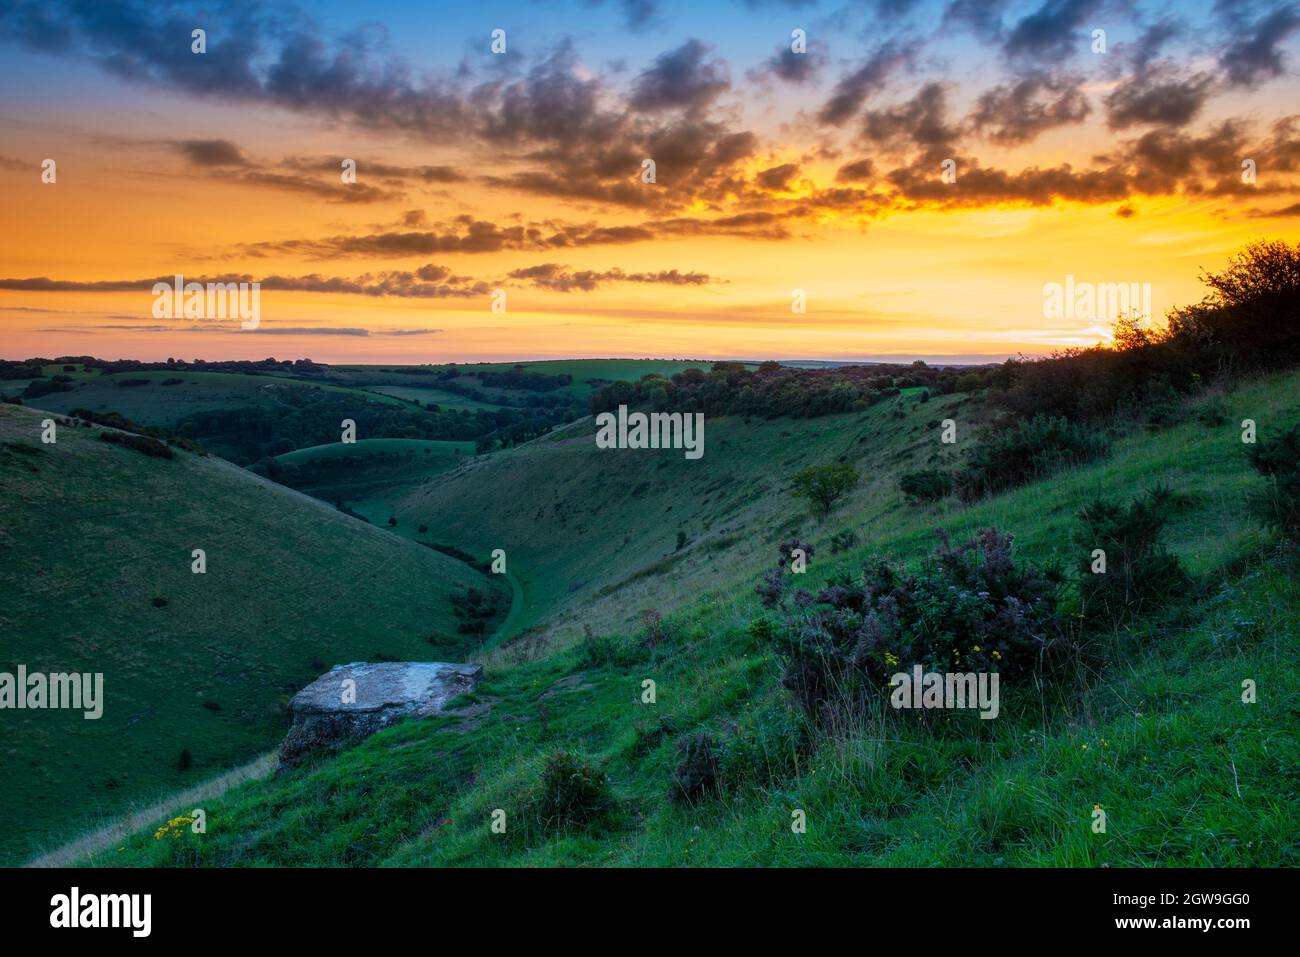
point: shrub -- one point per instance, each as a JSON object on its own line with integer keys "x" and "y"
{"x": 824, "y": 485}
{"x": 697, "y": 773}
{"x": 573, "y": 792}
{"x": 601, "y": 650}
{"x": 1277, "y": 506}
{"x": 1140, "y": 573}
{"x": 968, "y": 608}
{"x": 42, "y": 387}
{"x": 927, "y": 485}
{"x": 843, "y": 541}
{"x": 1031, "y": 449}
{"x": 1212, "y": 413}
{"x": 653, "y": 620}
{"x": 141, "y": 443}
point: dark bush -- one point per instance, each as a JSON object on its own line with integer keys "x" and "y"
{"x": 1028, "y": 450}
{"x": 43, "y": 387}
{"x": 1277, "y": 506}
{"x": 697, "y": 773}
{"x": 927, "y": 485}
{"x": 968, "y": 608}
{"x": 573, "y": 792}
{"x": 842, "y": 541}
{"x": 141, "y": 443}
{"x": 1140, "y": 574}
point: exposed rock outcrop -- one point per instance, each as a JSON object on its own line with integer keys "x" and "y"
{"x": 351, "y": 702}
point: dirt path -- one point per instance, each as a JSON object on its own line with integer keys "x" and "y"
{"x": 511, "y": 623}
{"x": 128, "y": 824}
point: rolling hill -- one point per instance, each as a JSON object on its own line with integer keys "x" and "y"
{"x": 96, "y": 576}
{"x": 1156, "y": 731}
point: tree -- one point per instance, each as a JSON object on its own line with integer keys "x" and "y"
{"x": 824, "y": 485}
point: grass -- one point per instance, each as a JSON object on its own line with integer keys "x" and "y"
{"x": 93, "y": 533}
{"x": 1157, "y": 734}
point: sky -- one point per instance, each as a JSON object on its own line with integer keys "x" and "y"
{"x": 878, "y": 179}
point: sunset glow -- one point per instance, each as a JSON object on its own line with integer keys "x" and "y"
{"x": 522, "y": 171}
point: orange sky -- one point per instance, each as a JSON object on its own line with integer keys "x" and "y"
{"x": 153, "y": 183}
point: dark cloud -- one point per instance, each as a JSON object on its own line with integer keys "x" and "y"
{"x": 333, "y": 165}
{"x": 1159, "y": 96}
{"x": 1256, "y": 56}
{"x": 921, "y": 121}
{"x": 1049, "y": 34}
{"x": 858, "y": 171}
{"x": 1148, "y": 47}
{"x": 796, "y": 68}
{"x": 777, "y": 177}
{"x": 1020, "y": 111}
{"x": 393, "y": 283}
{"x": 870, "y": 78}
{"x": 212, "y": 152}
{"x": 331, "y": 192}
{"x": 639, "y": 14}
{"x": 469, "y": 235}
{"x": 555, "y": 277}
{"x": 683, "y": 77}
{"x": 981, "y": 17}
{"x": 1285, "y": 211}
{"x": 978, "y": 186}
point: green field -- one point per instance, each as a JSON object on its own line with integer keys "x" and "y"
{"x": 96, "y": 575}
{"x": 1158, "y": 735}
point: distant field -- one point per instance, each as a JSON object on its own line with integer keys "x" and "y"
{"x": 581, "y": 370}
{"x": 95, "y": 575}
{"x": 163, "y": 405}
{"x": 445, "y": 399}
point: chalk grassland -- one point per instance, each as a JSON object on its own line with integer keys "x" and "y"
{"x": 96, "y": 576}
{"x": 593, "y": 533}
{"x": 1157, "y": 735}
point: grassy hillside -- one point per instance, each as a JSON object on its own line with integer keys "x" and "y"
{"x": 593, "y": 533}
{"x": 96, "y": 576}
{"x": 1154, "y": 731}
{"x": 369, "y": 475}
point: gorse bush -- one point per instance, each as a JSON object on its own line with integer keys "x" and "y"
{"x": 1139, "y": 573}
{"x": 696, "y": 775}
{"x": 1028, "y": 450}
{"x": 573, "y": 793}
{"x": 927, "y": 485}
{"x": 1277, "y": 505}
{"x": 968, "y": 608}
